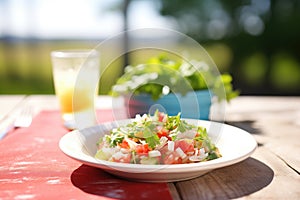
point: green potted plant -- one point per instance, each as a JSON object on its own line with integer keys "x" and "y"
{"x": 172, "y": 86}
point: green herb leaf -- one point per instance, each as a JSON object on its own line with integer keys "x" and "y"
{"x": 152, "y": 141}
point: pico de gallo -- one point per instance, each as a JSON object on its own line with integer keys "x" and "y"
{"x": 157, "y": 139}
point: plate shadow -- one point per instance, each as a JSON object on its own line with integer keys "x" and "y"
{"x": 247, "y": 125}
{"x": 230, "y": 182}
{"x": 97, "y": 182}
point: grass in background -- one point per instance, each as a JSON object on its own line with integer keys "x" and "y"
{"x": 25, "y": 67}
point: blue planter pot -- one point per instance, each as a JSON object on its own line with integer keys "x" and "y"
{"x": 195, "y": 104}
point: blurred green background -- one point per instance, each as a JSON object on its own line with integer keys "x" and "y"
{"x": 256, "y": 41}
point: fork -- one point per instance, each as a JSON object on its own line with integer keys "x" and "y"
{"x": 23, "y": 119}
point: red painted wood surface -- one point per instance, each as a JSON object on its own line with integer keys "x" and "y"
{"x": 33, "y": 167}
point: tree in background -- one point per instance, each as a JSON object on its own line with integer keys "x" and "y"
{"x": 263, "y": 36}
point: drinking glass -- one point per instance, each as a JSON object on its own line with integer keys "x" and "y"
{"x": 76, "y": 76}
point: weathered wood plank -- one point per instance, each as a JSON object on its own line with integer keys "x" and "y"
{"x": 272, "y": 172}
{"x": 285, "y": 183}
{"x": 230, "y": 182}
{"x": 254, "y": 178}
{"x": 275, "y": 123}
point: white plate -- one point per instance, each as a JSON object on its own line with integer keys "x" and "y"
{"x": 234, "y": 144}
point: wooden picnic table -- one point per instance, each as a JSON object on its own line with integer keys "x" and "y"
{"x": 272, "y": 171}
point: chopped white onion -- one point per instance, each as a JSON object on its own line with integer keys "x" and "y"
{"x": 123, "y": 150}
{"x": 180, "y": 153}
{"x": 162, "y": 141}
{"x": 202, "y": 151}
{"x": 196, "y": 151}
{"x": 199, "y": 158}
{"x": 154, "y": 153}
{"x": 190, "y": 134}
{"x": 132, "y": 144}
{"x": 118, "y": 155}
{"x": 171, "y": 145}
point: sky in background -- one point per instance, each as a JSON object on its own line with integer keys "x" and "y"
{"x": 50, "y": 19}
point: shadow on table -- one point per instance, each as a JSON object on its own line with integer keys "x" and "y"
{"x": 97, "y": 182}
{"x": 230, "y": 182}
{"x": 247, "y": 125}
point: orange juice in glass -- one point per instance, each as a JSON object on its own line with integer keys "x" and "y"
{"x": 76, "y": 76}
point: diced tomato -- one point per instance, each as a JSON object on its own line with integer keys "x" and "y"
{"x": 124, "y": 144}
{"x": 165, "y": 133}
{"x": 142, "y": 149}
{"x": 185, "y": 145}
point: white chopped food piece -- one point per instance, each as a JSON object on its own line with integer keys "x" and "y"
{"x": 199, "y": 158}
{"x": 132, "y": 144}
{"x": 199, "y": 155}
{"x": 196, "y": 151}
{"x": 195, "y": 158}
{"x": 143, "y": 142}
{"x": 180, "y": 153}
{"x": 119, "y": 155}
{"x": 171, "y": 145}
{"x": 108, "y": 152}
{"x": 202, "y": 151}
{"x": 123, "y": 150}
{"x": 190, "y": 134}
{"x": 162, "y": 141}
{"x": 154, "y": 153}
{"x": 203, "y": 156}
